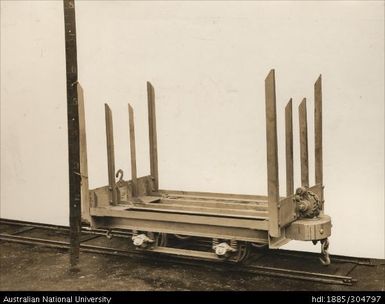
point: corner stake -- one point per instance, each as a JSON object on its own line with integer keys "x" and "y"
{"x": 272, "y": 155}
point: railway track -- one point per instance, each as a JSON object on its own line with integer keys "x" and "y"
{"x": 20, "y": 232}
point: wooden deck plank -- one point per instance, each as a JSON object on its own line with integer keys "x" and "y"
{"x": 201, "y": 210}
{"x": 216, "y": 204}
{"x": 214, "y": 195}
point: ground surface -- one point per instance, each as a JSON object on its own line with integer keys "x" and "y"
{"x": 27, "y": 267}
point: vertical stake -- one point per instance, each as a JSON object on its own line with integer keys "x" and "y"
{"x": 110, "y": 155}
{"x": 318, "y": 131}
{"x": 133, "y": 151}
{"x": 73, "y": 132}
{"x": 272, "y": 155}
{"x": 152, "y": 135}
{"x": 303, "y": 144}
{"x": 85, "y": 194}
{"x": 289, "y": 148}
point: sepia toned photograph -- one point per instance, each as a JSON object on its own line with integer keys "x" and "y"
{"x": 198, "y": 146}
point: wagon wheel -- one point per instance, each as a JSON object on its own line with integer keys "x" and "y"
{"x": 242, "y": 253}
{"x": 161, "y": 239}
{"x": 182, "y": 237}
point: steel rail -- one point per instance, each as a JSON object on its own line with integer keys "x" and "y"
{"x": 302, "y": 275}
{"x": 254, "y": 269}
{"x": 85, "y": 230}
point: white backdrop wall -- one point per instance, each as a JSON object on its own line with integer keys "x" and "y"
{"x": 207, "y": 62}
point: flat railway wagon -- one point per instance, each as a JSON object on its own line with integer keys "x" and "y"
{"x": 172, "y": 221}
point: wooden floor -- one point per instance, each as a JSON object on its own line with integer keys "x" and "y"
{"x": 243, "y": 207}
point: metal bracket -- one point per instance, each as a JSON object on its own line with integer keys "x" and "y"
{"x": 223, "y": 249}
{"x": 325, "y": 258}
{"x": 141, "y": 240}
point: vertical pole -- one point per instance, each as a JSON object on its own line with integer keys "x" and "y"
{"x": 289, "y": 148}
{"x": 133, "y": 151}
{"x": 110, "y": 155}
{"x": 272, "y": 154}
{"x": 73, "y": 131}
{"x": 152, "y": 135}
{"x": 303, "y": 144}
{"x": 318, "y": 131}
{"x": 85, "y": 195}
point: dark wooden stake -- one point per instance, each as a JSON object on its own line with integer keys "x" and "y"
{"x": 289, "y": 148}
{"x": 303, "y": 144}
{"x": 73, "y": 131}
{"x": 272, "y": 155}
{"x": 132, "y": 150}
{"x": 152, "y": 135}
{"x": 85, "y": 191}
{"x": 110, "y": 155}
{"x": 318, "y": 131}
